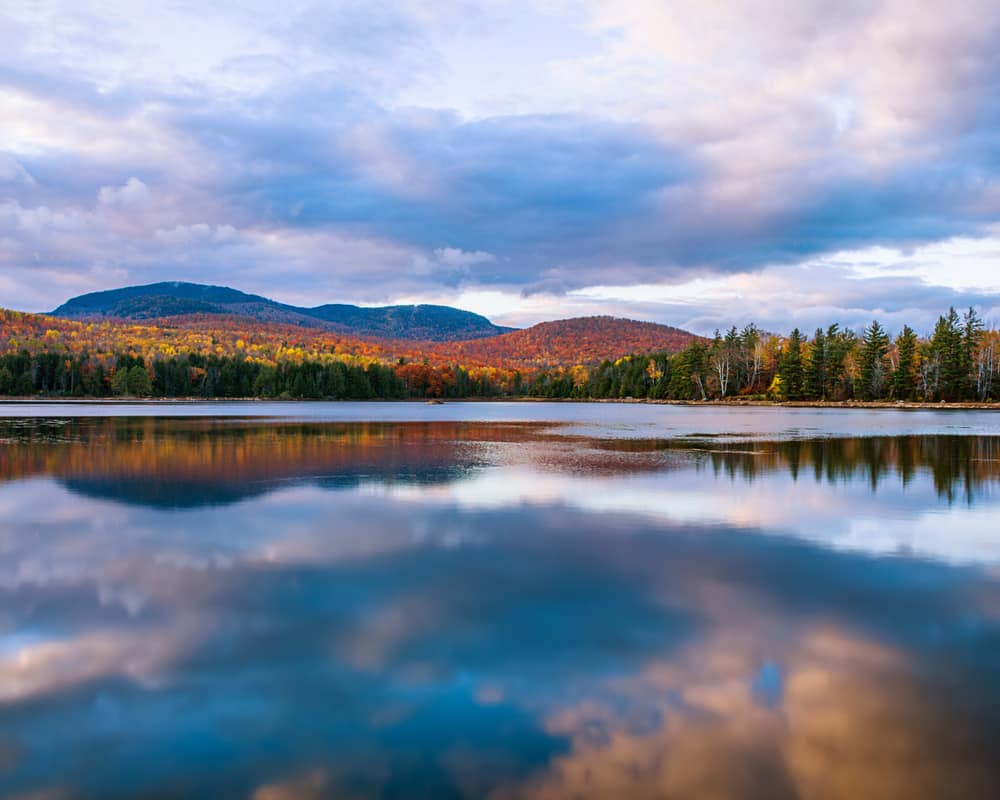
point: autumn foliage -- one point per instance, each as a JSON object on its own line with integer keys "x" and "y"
{"x": 426, "y": 367}
{"x": 595, "y": 357}
{"x": 567, "y": 342}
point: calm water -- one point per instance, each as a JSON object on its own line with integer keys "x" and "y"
{"x": 499, "y": 600}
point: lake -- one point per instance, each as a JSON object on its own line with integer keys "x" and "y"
{"x": 502, "y": 600}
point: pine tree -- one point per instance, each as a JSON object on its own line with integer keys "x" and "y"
{"x": 948, "y": 348}
{"x": 138, "y": 382}
{"x": 791, "y": 367}
{"x": 699, "y": 369}
{"x": 874, "y": 347}
{"x": 752, "y": 353}
{"x": 972, "y": 334}
{"x": 904, "y": 378}
{"x": 119, "y": 381}
{"x": 815, "y": 375}
{"x": 839, "y": 344}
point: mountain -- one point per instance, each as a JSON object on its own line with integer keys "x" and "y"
{"x": 440, "y": 333}
{"x": 580, "y": 340}
{"x": 176, "y": 299}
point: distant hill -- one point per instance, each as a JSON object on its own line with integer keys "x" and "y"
{"x": 175, "y": 299}
{"x": 580, "y": 340}
{"x": 442, "y": 333}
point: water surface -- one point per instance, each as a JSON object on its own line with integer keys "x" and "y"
{"x": 595, "y": 418}
{"x": 539, "y": 603}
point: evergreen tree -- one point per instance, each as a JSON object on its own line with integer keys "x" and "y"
{"x": 689, "y": 373}
{"x": 93, "y": 382}
{"x": 949, "y": 350}
{"x": 751, "y": 351}
{"x": 791, "y": 371}
{"x": 839, "y": 345}
{"x": 874, "y": 348}
{"x": 265, "y": 384}
{"x": 138, "y": 382}
{"x": 815, "y": 374}
{"x": 698, "y": 364}
{"x": 972, "y": 334}
{"x": 904, "y": 378}
{"x": 119, "y": 382}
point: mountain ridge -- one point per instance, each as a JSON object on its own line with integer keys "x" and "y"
{"x": 439, "y": 332}
{"x": 168, "y": 299}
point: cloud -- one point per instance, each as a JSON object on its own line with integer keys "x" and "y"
{"x": 454, "y": 256}
{"x": 808, "y": 295}
{"x": 133, "y": 192}
{"x": 697, "y": 646}
{"x": 628, "y": 146}
{"x": 52, "y": 666}
{"x": 12, "y": 171}
{"x": 699, "y": 726}
{"x": 712, "y": 649}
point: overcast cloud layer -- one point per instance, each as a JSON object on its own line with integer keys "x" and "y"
{"x": 690, "y": 162}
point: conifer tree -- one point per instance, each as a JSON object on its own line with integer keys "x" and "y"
{"x": 839, "y": 345}
{"x": 874, "y": 348}
{"x": 948, "y": 349}
{"x": 791, "y": 367}
{"x": 904, "y": 378}
{"x": 815, "y": 374}
{"x": 138, "y": 382}
{"x": 752, "y": 351}
{"x": 119, "y": 381}
{"x": 972, "y": 334}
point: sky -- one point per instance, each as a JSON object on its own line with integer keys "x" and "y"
{"x": 696, "y": 163}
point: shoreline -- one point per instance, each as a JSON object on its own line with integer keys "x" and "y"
{"x": 870, "y": 405}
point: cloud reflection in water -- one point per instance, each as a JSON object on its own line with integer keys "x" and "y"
{"x": 457, "y": 610}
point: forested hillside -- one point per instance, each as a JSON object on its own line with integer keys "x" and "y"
{"x": 224, "y": 355}
{"x": 159, "y": 301}
{"x": 599, "y": 357}
{"x": 567, "y": 342}
{"x": 958, "y": 361}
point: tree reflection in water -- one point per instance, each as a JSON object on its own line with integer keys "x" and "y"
{"x": 506, "y": 610}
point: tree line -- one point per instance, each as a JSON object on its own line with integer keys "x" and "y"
{"x": 59, "y": 374}
{"x": 957, "y": 362}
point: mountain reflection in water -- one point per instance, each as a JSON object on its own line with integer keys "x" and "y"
{"x": 242, "y": 608}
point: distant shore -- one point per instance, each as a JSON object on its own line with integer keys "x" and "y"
{"x": 861, "y": 404}
{"x": 876, "y": 405}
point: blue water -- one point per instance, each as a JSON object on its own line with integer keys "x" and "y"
{"x": 498, "y": 600}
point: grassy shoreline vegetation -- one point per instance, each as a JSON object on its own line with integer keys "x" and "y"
{"x": 45, "y": 357}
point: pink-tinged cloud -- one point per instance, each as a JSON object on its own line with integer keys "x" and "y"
{"x": 534, "y": 149}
